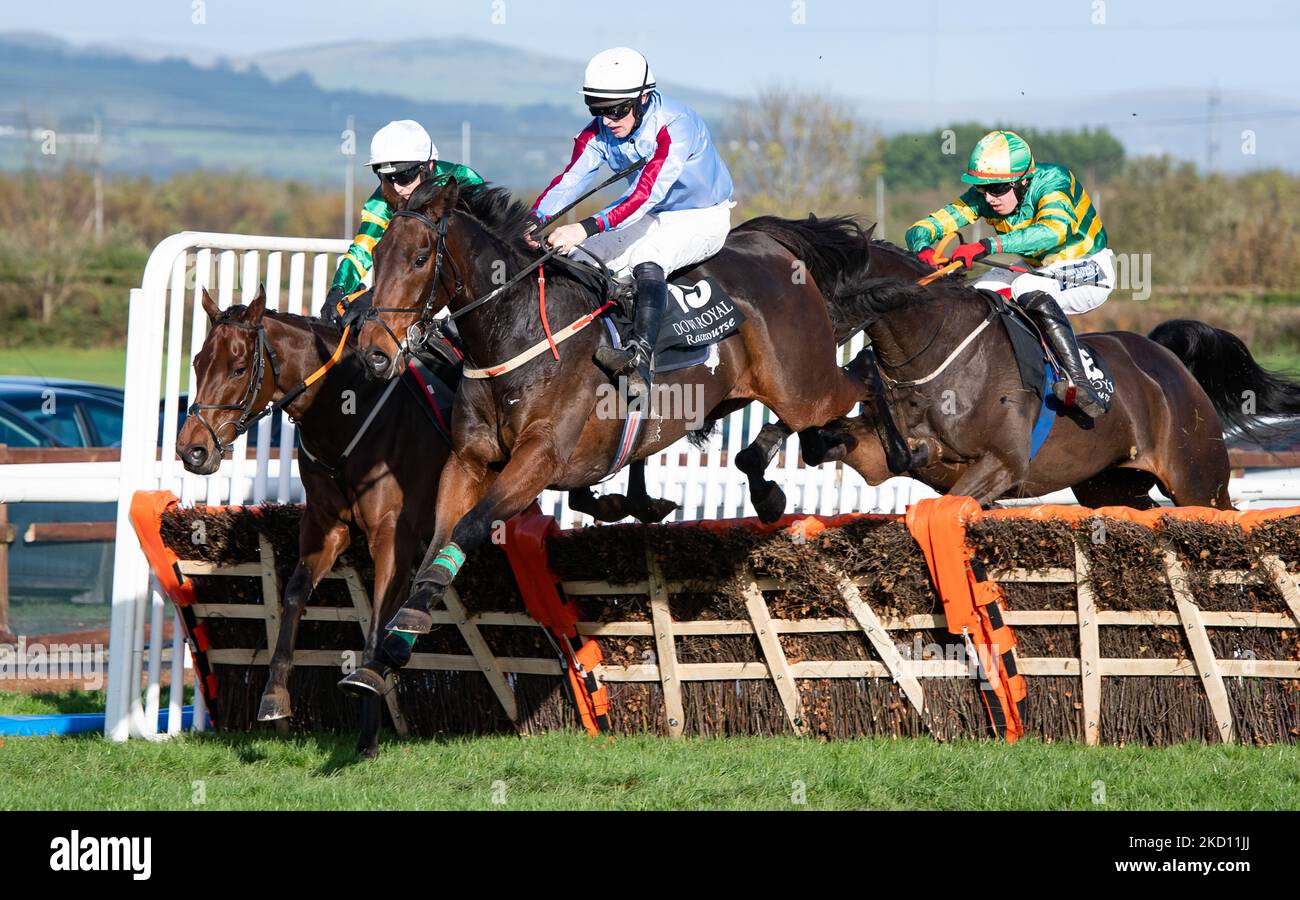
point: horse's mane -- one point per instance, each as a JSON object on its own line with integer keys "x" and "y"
{"x": 492, "y": 206}
{"x": 869, "y": 296}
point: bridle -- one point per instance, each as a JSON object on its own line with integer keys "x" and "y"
{"x": 419, "y": 330}
{"x": 247, "y": 415}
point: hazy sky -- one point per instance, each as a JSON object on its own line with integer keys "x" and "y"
{"x": 887, "y": 51}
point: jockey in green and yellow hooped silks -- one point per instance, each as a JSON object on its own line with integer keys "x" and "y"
{"x": 403, "y": 155}
{"x": 1041, "y": 212}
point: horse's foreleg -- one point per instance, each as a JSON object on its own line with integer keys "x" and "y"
{"x": 612, "y": 507}
{"x": 647, "y": 509}
{"x": 534, "y": 463}
{"x": 767, "y": 496}
{"x": 326, "y": 544}
{"x": 987, "y": 479}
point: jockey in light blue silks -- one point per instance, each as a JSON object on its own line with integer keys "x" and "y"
{"x": 675, "y": 213}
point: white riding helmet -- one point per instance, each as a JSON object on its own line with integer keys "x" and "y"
{"x": 620, "y": 73}
{"x": 403, "y": 141}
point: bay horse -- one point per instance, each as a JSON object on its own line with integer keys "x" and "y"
{"x": 963, "y": 409}
{"x": 537, "y": 426}
{"x": 380, "y": 483}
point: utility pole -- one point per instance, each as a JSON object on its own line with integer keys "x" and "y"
{"x": 464, "y": 143}
{"x": 1211, "y": 144}
{"x": 880, "y": 207}
{"x": 99, "y": 181}
{"x": 349, "y": 178}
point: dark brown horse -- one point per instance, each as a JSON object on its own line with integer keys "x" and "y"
{"x": 538, "y": 425}
{"x": 968, "y": 417}
{"x": 252, "y": 357}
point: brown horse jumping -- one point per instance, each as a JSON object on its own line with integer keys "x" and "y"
{"x": 382, "y": 486}
{"x": 538, "y": 426}
{"x": 968, "y": 418}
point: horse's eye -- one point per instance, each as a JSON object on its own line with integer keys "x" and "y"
{"x": 420, "y": 261}
{"x": 240, "y": 370}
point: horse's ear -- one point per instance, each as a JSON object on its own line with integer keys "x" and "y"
{"x": 445, "y": 199}
{"x": 257, "y": 307}
{"x": 871, "y": 232}
{"x": 210, "y": 306}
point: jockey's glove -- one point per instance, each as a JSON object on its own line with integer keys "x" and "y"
{"x": 329, "y": 313}
{"x": 967, "y": 254}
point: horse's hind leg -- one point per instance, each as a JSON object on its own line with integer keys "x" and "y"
{"x": 319, "y": 547}
{"x": 1117, "y": 487}
{"x": 767, "y": 496}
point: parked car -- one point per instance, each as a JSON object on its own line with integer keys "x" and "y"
{"x": 77, "y": 413}
{"x": 41, "y": 412}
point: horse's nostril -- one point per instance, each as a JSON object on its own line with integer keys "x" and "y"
{"x": 196, "y": 454}
{"x": 378, "y": 360}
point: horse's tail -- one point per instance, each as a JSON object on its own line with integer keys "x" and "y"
{"x": 1239, "y": 387}
{"x": 835, "y": 251}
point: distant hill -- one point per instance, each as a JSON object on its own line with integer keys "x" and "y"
{"x": 169, "y": 114}
{"x": 281, "y": 114}
{"x": 480, "y": 70}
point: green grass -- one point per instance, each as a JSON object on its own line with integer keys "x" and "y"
{"x": 104, "y": 365}
{"x": 18, "y": 704}
{"x": 572, "y": 771}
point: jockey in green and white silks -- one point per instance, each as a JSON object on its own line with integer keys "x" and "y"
{"x": 403, "y": 155}
{"x": 675, "y": 212}
{"x": 1042, "y": 212}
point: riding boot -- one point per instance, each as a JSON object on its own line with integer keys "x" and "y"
{"x": 1077, "y": 389}
{"x": 634, "y": 359}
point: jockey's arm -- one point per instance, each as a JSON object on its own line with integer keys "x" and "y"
{"x": 672, "y": 144}
{"x": 356, "y": 262}
{"x": 588, "y": 157}
{"x": 960, "y": 212}
{"x": 1051, "y": 227}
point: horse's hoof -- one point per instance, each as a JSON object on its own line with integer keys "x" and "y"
{"x": 771, "y": 506}
{"x": 368, "y": 752}
{"x": 655, "y": 511}
{"x": 275, "y": 704}
{"x": 364, "y": 682}
{"x": 411, "y": 621}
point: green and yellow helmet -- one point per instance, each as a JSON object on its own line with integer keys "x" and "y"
{"x": 999, "y": 157}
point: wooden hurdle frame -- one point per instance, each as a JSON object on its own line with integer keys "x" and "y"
{"x": 1090, "y": 667}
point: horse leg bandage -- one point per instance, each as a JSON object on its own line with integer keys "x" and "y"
{"x": 450, "y": 558}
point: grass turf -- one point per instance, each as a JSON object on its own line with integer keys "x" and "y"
{"x": 102, "y": 365}
{"x": 573, "y": 771}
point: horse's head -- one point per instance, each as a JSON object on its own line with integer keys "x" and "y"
{"x": 230, "y": 383}
{"x": 405, "y": 265}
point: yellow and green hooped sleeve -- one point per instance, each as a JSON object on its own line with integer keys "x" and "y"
{"x": 960, "y": 212}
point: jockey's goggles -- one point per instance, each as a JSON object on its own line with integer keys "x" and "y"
{"x": 402, "y": 177}
{"x": 613, "y": 112}
{"x": 994, "y": 190}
